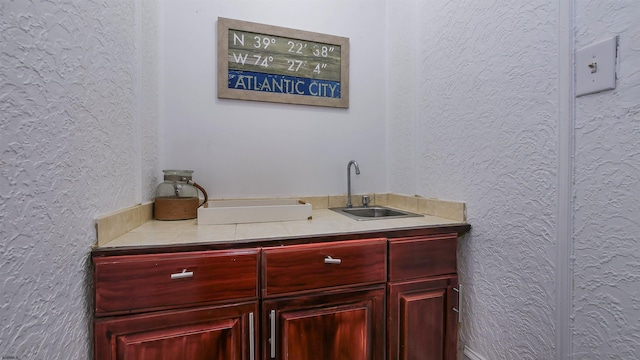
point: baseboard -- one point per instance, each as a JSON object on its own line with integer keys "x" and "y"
{"x": 472, "y": 355}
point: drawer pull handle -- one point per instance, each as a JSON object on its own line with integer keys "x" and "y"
{"x": 272, "y": 339}
{"x": 330, "y": 260}
{"x": 459, "y": 309}
{"x": 183, "y": 275}
{"x": 252, "y": 338}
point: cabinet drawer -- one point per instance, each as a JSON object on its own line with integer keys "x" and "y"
{"x": 136, "y": 282}
{"x": 303, "y": 268}
{"x": 417, "y": 257}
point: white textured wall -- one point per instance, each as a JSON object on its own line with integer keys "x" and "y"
{"x": 485, "y": 133}
{"x": 148, "y": 97}
{"x": 244, "y": 149}
{"x": 606, "y": 314}
{"x": 403, "y": 95}
{"x": 470, "y": 92}
{"x": 71, "y": 114}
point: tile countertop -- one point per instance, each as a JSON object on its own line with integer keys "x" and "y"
{"x": 323, "y": 222}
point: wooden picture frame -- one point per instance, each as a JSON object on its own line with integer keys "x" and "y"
{"x": 269, "y": 63}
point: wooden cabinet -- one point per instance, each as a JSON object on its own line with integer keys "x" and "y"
{"x": 339, "y": 326}
{"x": 422, "y": 304}
{"x": 297, "y": 269}
{"x": 210, "y": 332}
{"x": 197, "y": 305}
{"x": 349, "y": 299}
{"x": 324, "y": 301}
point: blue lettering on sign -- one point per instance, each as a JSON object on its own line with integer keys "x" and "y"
{"x": 283, "y": 84}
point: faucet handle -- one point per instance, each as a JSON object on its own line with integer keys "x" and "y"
{"x": 365, "y": 200}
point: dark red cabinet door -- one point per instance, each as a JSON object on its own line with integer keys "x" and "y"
{"x": 422, "y": 323}
{"x": 339, "y": 326}
{"x": 212, "y": 333}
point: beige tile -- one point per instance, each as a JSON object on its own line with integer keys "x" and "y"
{"x": 317, "y": 202}
{"x": 436, "y": 220}
{"x": 356, "y": 199}
{"x": 337, "y": 201}
{"x": 159, "y": 225}
{"x": 104, "y": 231}
{"x": 261, "y": 230}
{"x": 372, "y": 225}
{"x": 207, "y": 233}
{"x": 143, "y": 238}
{"x": 324, "y": 222}
{"x": 146, "y": 212}
{"x": 409, "y": 203}
{"x": 133, "y": 227}
{"x": 381, "y": 199}
{"x": 447, "y": 209}
{"x": 111, "y": 226}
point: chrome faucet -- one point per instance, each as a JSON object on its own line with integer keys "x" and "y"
{"x": 365, "y": 201}
{"x": 352, "y": 162}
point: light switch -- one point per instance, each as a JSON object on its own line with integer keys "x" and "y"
{"x": 596, "y": 67}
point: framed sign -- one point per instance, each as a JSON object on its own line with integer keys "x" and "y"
{"x": 269, "y": 63}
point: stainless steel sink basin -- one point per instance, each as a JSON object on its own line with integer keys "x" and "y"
{"x": 373, "y": 213}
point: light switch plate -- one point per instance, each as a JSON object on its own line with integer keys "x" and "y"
{"x": 596, "y": 67}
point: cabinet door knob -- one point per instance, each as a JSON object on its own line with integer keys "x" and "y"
{"x": 330, "y": 260}
{"x": 182, "y": 275}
